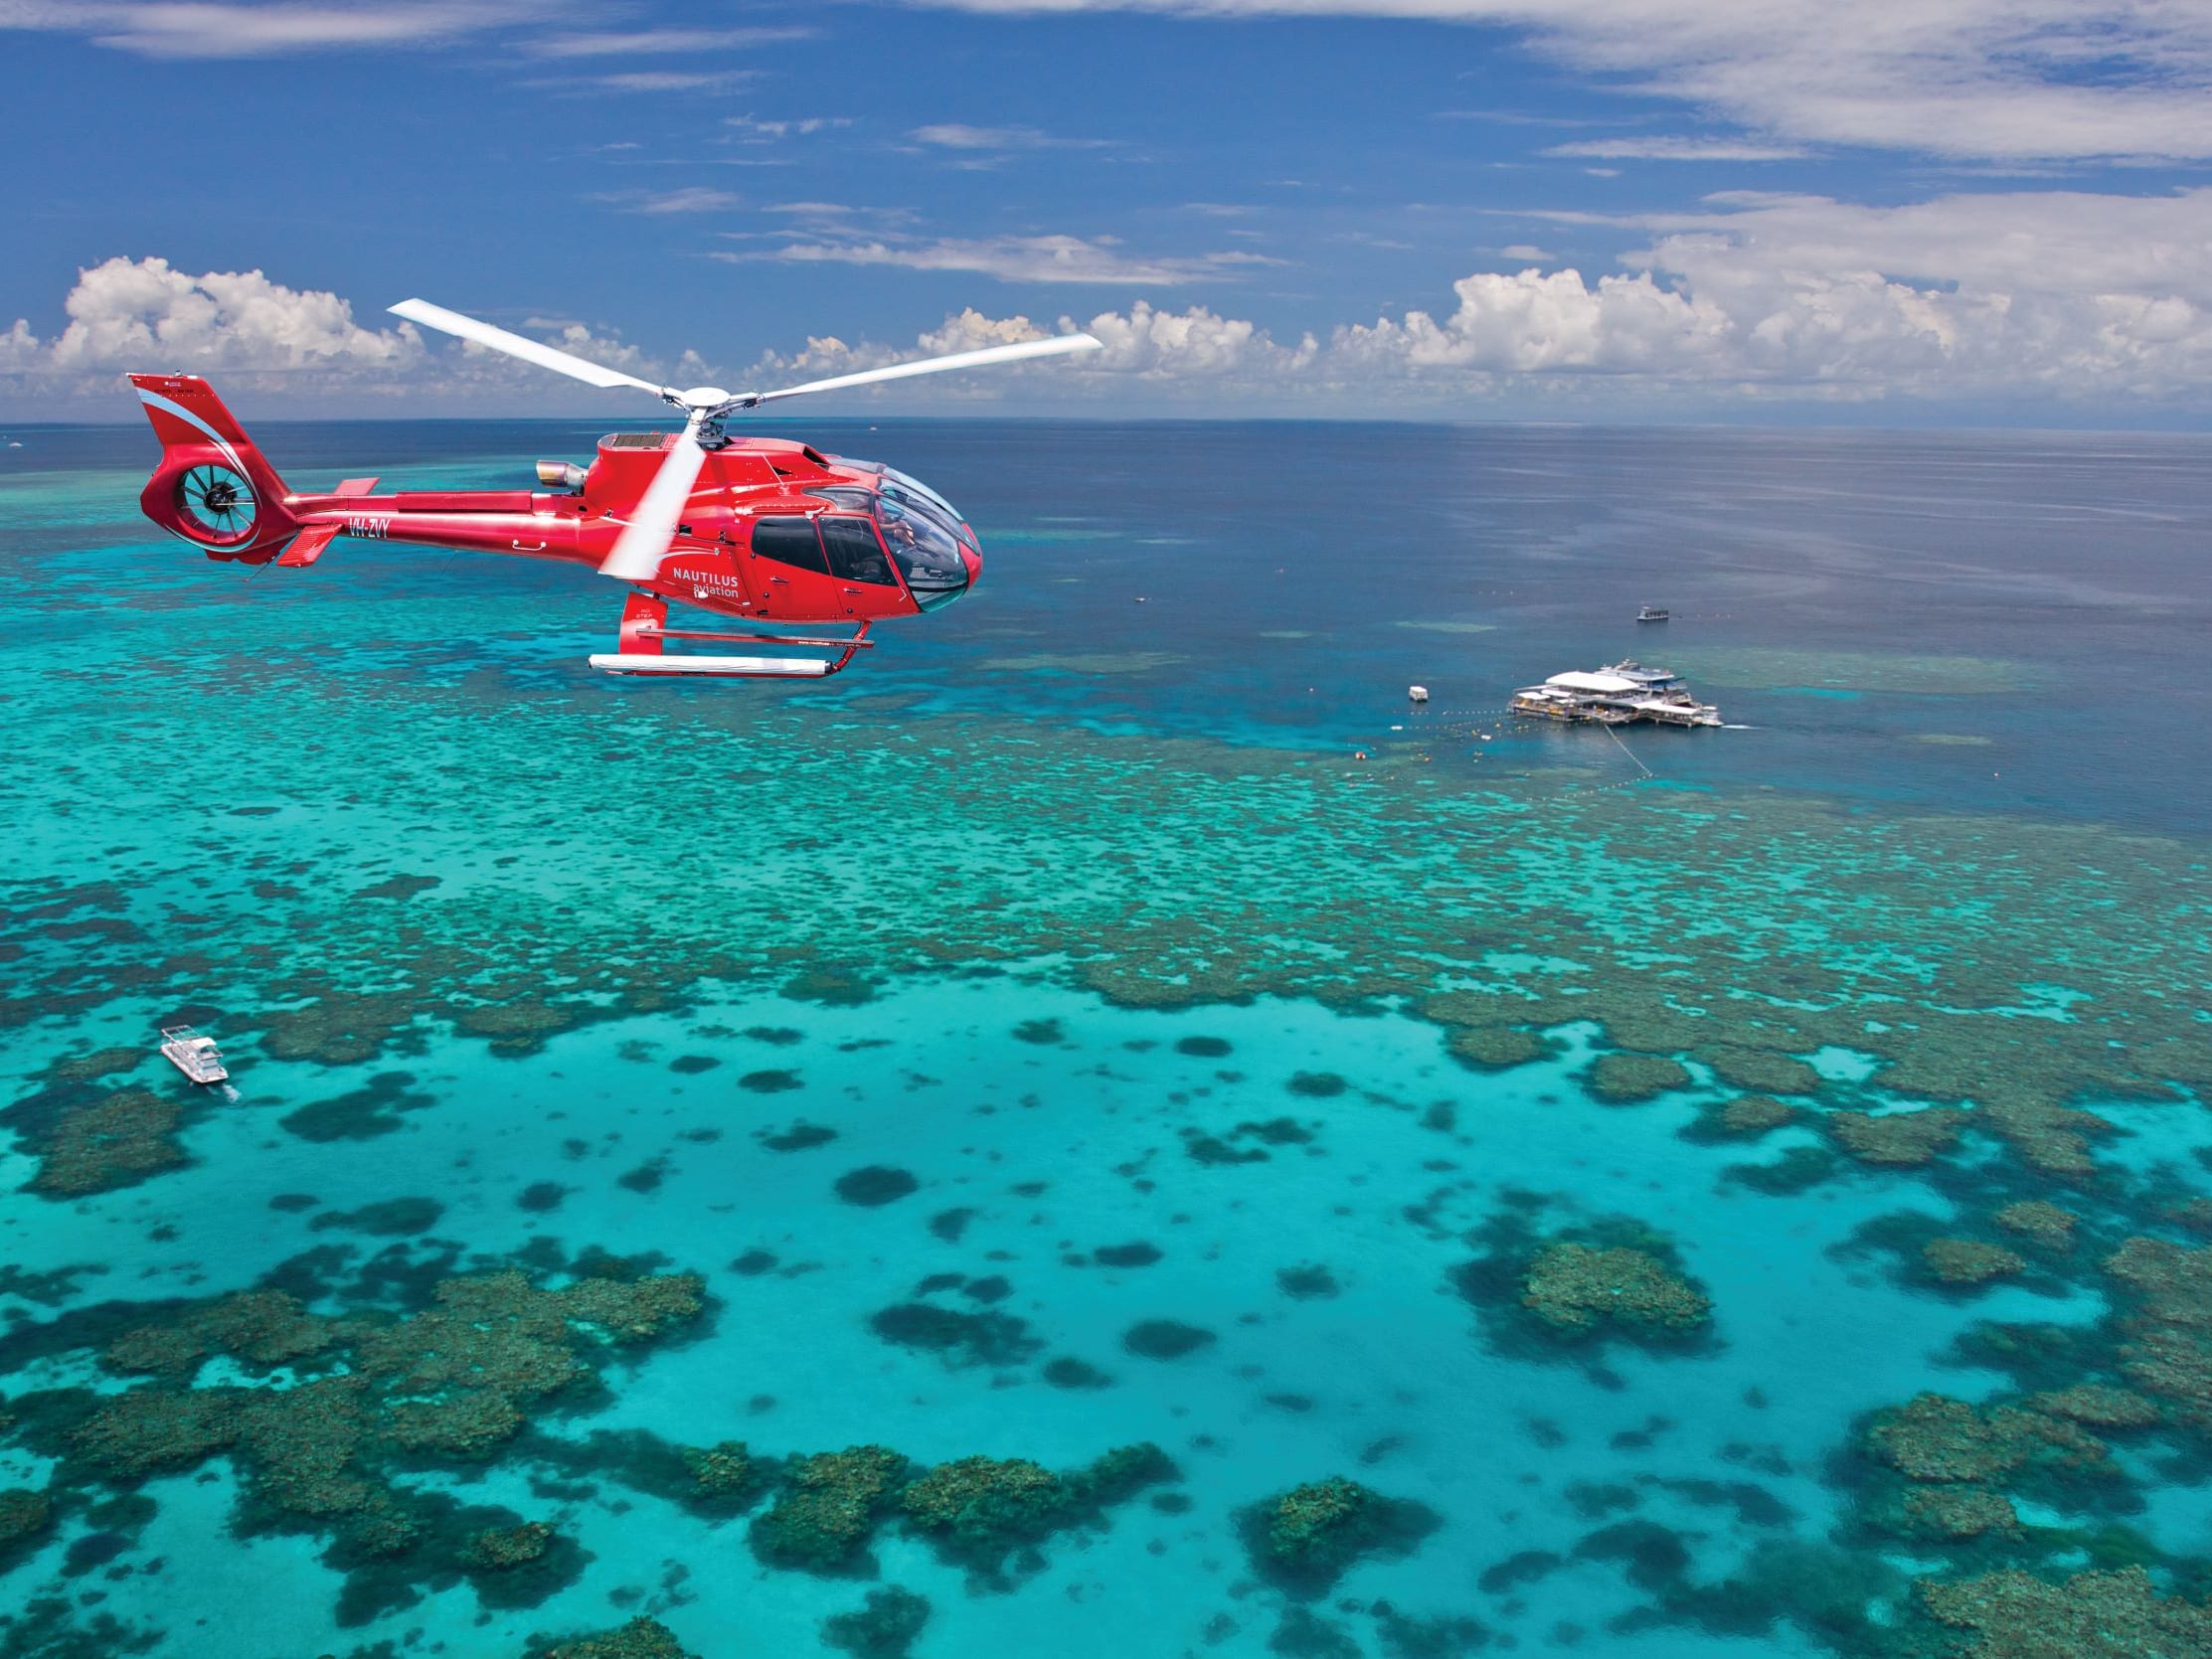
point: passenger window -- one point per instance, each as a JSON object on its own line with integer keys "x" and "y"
{"x": 789, "y": 542}
{"x": 854, "y": 551}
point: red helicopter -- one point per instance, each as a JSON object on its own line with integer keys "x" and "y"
{"x": 762, "y": 529}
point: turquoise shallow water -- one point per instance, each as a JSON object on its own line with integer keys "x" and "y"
{"x": 1084, "y": 932}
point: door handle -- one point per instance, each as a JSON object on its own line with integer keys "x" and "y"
{"x": 780, "y": 581}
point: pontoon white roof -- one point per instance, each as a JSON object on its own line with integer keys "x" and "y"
{"x": 1610, "y": 683}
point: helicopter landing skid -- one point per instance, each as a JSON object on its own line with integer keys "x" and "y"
{"x": 644, "y": 626}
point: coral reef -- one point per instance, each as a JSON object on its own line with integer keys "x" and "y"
{"x": 830, "y": 1506}
{"x": 984, "y": 1506}
{"x": 1627, "y": 1078}
{"x": 641, "y": 1638}
{"x": 456, "y": 1380}
{"x": 1307, "y": 1538}
{"x": 1969, "y": 1260}
{"x": 1754, "y": 1114}
{"x": 982, "y": 1509}
{"x": 723, "y": 1471}
{"x": 94, "y": 1064}
{"x": 1900, "y": 1139}
{"x": 1762, "y": 1070}
{"x": 1576, "y": 1288}
{"x": 1495, "y": 1047}
{"x": 112, "y": 1142}
{"x": 1957, "y": 1512}
{"x": 1933, "y": 1437}
{"x": 885, "y": 1626}
{"x": 2166, "y": 1347}
{"x": 502, "y": 1549}
{"x": 24, "y": 1515}
{"x": 2040, "y": 1222}
{"x": 2098, "y": 1405}
{"x": 2091, "y": 1615}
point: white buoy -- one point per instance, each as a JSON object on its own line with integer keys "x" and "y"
{"x": 1419, "y": 693}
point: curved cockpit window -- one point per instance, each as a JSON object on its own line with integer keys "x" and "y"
{"x": 854, "y": 551}
{"x": 929, "y": 555}
{"x": 853, "y": 498}
{"x": 913, "y": 486}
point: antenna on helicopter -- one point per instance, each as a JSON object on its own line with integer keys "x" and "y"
{"x": 645, "y": 538}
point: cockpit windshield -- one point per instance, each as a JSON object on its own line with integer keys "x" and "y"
{"x": 913, "y": 488}
{"x": 927, "y": 551}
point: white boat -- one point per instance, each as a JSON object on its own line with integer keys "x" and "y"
{"x": 194, "y": 1056}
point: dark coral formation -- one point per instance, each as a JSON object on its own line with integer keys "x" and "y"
{"x": 641, "y": 1638}
{"x": 2040, "y": 1222}
{"x": 957, "y": 1336}
{"x": 830, "y": 1506}
{"x": 982, "y": 1509}
{"x": 978, "y": 1511}
{"x": 1969, "y": 1260}
{"x": 1754, "y": 1114}
{"x": 885, "y": 1626}
{"x": 2097, "y": 1405}
{"x": 1494, "y": 1047}
{"x": 455, "y": 1381}
{"x": 875, "y": 1185}
{"x": 1933, "y": 1437}
{"x": 2091, "y": 1615}
{"x": 1165, "y": 1339}
{"x": 1307, "y": 1538}
{"x": 1627, "y": 1078}
{"x": 24, "y": 1515}
{"x": 1901, "y": 1139}
{"x": 503, "y": 1549}
{"x": 2166, "y": 1347}
{"x": 1576, "y": 1288}
{"x": 114, "y": 1142}
{"x": 723, "y": 1472}
{"x": 1951, "y": 1513}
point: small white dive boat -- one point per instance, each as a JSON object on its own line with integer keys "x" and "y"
{"x": 194, "y": 1056}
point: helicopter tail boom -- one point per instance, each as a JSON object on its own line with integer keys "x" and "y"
{"x": 213, "y": 487}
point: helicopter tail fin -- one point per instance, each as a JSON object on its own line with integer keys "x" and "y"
{"x": 213, "y": 487}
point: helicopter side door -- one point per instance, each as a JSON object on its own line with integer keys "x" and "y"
{"x": 867, "y": 586}
{"x": 788, "y": 573}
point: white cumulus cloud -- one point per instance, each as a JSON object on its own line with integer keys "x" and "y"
{"x": 139, "y": 315}
{"x": 2056, "y": 300}
{"x": 144, "y": 314}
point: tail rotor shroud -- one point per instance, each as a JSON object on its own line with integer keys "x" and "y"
{"x": 216, "y": 502}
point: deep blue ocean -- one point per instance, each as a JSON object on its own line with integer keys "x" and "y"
{"x": 1688, "y": 1194}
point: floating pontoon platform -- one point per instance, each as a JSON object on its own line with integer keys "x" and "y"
{"x": 194, "y": 1056}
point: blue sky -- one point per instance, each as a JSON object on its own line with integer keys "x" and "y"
{"x": 1578, "y": 209}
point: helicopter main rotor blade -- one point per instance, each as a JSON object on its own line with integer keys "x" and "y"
{"x": 514, "y": 344}
{"x": 643, "y": 543}
{"x": 1053, "y": 347}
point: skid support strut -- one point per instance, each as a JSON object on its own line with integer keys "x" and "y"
{"x": 645, "y": 624}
